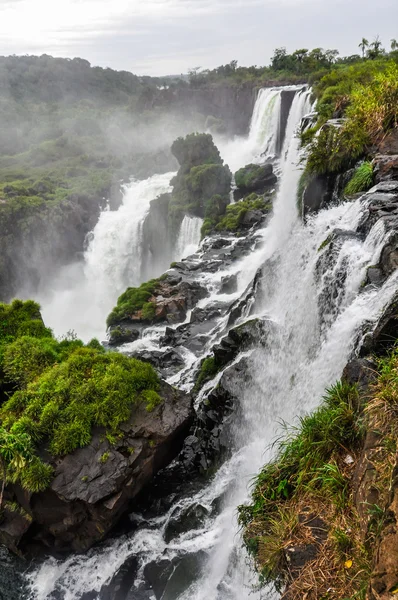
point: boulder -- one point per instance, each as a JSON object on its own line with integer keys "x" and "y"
{"x": 385, "y": 167}
{"x": 252, "y": 178}
{"x": 381, "y": 339}
{"x": 122, "y": 335}
{"x": 94, "y": 486}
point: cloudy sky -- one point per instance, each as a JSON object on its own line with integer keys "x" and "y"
{"x": 158, "y": 37}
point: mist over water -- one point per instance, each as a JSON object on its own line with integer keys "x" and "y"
{"x": 84, "y": 293}
{"x": 312, "y": 336}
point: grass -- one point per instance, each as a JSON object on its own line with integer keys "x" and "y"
{"x": 310, "y": 477}
{"x": 362, "y": 180}
{"x": 208, "y": 370}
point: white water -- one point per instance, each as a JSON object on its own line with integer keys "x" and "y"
{"x": 312, "y": 342}
{"x": 83, "y": 294}
{"x": 188, "y": 238}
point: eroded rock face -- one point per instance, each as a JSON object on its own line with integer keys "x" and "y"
{"x": 95, "y": 485}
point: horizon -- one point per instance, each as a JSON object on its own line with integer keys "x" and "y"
{"x": 167, "y": 37}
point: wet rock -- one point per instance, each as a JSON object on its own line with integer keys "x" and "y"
{"x": 360, "y": 371}
{"x": 122, "y": 335}
{"x": 318, "y": 193}
{"x": 166, "y": 362}
{"x": 169, "y": 578}
{"x": 253, "y": 178}
{"x": 229, "y": 284}
{"x": 121, "y": 582}
{"x": 375, "y": 275}
{"x": 241, "y": 338}
{"x": 381, "y": 338}
{"x": 188, "y": 519}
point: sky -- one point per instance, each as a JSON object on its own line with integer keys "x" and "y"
{"x": 160, "y": 37}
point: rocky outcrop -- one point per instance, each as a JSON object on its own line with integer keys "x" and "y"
{"x": 255, "y": 178}
{"x": 94, "y": 486}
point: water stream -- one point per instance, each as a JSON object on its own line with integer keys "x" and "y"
{"x": 312, "y": 338}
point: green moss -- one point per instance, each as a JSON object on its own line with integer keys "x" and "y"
{"x": 104, "y": 458}
{"x": 247, "y": 176}
{"x": 133, "y": 300}
{"x": 231, "y": 221}
{"x": 149, "y": 311}
{"x": 208, "y": 370}
{"x": 362, "y": 180}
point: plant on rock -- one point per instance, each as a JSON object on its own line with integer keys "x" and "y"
{"x": 361, "y": 180}
{"x": 19, "y": 463}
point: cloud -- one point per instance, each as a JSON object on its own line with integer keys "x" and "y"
{"x": 163, "y": 36}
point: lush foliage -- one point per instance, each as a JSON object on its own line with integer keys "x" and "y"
{"x": 208, "y": 370}
{"x": 89, "y": 388}
{"x": 133, "y": 300}
{"x": 202, "y": 183}
{"x": 234, "y": 214}
{"x": 58, "y": 390}
{"x": 361, "y": 180}
{"x": 366, "y": 95}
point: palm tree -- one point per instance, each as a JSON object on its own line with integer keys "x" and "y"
{"x": 363, "y": 45}
{"x": 394, "y": 44}
{"x": 15, "y": 452}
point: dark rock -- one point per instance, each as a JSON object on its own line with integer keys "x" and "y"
{"x": 389, "y": 144}
{"x": 121, "y": 582}
{"x": 89, "y": 494}
{"x": 156, "y": 238}
{"x": 375, "y": 275}
{"x": 385, "y": 167}
{"x": 382, "y": 338}
{"x": 122, "y": 335}
{"x": 360, "y": 371}
{"x": 188, "y": 519}
{"x": 169, "y": 578}
{"x": 318, "y": 193}
{"x": 254, "y": 177}
{"x": 229, "y": 284}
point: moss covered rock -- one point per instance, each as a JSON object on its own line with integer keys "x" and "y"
{"x": 255, "y": 177}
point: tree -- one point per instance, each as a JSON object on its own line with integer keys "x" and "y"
{"x": 15, "y": 452}
{"x": 394, "y": 44}
{"x": 363, "y": 45}
{"x": 375, "y": 49}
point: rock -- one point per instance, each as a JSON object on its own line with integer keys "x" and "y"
{"x": 318, "y": 193}
{"x": 122, "y": 335}
{"x": 241, "y": 338}
{"x": 375, "y": 275}
{"x": 94, "y": 486}
{"x": 385, "y": 167}
{"x": 252, "y": 217}
{"x": 389, "y": 144}
{"x": 229, "y": 284}
{"x": 169, "y": 578}
{"x": 381, "y": 338}
{"x": 121, "y": 582}
{"x": 360, "y": 371}
{"x": 188, "y": 519}
{"x": 252, "y": 178}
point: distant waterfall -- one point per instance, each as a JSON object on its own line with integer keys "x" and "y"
{"x": 265, "y": 124}
{"x": 188, "y": 238}
{"x": 84, "y": 293}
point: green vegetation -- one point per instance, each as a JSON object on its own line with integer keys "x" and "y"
{"x": 366, "y": 96}
{"x": 362, "y": 179}
{"x": 208, "y": 370}
{"x": 202, "y": 183}
{"x": 58, "y": 390}
{"x": 234, "y": 214}
{"x": 311, "y": 476}
{"x": 249, "y": 175}
{"x": 134, "y": 300}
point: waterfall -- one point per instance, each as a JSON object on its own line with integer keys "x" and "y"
{"x": 262, "y": 141}
{"x": 84, "y": 293}
{"x": 188, "y": 238}
{"x": 313, "y": 338}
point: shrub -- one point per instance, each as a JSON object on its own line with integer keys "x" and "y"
{"x": 362, "y": 179}
{"x": 89, "y": 388}
{"x": 133, "y": 300}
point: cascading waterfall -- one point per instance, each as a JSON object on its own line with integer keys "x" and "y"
{"x": 312, "y": 337}
{"x": 188, "y": 237}
{"x": 84, "y": 294}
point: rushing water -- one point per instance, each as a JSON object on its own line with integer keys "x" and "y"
{"x": 313, "y": 337}
{"x": 188, "y": 238}
{"x": 84, "y": 293}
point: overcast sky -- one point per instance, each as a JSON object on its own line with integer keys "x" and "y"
{"x": 158, "y": 37}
